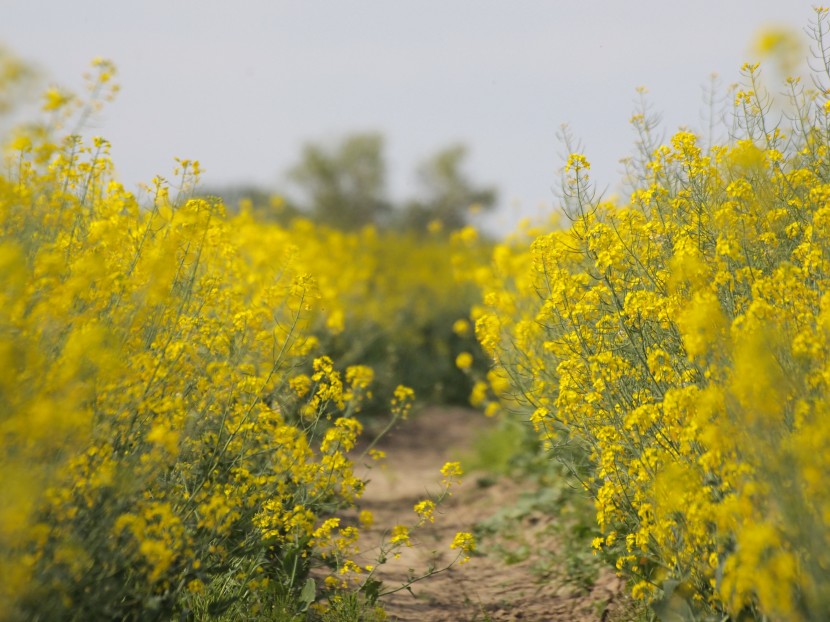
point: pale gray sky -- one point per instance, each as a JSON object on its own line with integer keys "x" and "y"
{"x": 241, "y": 86}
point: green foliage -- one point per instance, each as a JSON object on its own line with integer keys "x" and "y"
{"x": 448, "y": 195}
{"x": 344, "y": 186}
{"x": 551, "y": 526}
{"x": 497, "y": 448}
{"x": 353, "y": 608}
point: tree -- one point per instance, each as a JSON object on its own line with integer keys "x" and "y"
{"x": 448, "y": 194}
{"x": 345, "y": 185}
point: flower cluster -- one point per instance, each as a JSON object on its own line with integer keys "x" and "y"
{"x": 387, "y": 299}
{"x": 174, "y": 438}
{"x": 675, "y": 350}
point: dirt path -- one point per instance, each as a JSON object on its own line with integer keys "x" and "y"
{"x": 485, "y": 588}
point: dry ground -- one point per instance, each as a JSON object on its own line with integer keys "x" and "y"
{"x": 485, "y": 588}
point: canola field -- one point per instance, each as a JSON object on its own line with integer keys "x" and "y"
{"x": 184, "y": 385}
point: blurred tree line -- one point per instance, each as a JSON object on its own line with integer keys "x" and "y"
{"x": 343, "y": 185}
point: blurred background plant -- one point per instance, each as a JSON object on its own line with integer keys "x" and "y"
{"x": 384, "y": 271}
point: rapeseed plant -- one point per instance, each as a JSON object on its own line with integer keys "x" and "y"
{"x": 175, "y": 440}
{"x": 673, "y": 349}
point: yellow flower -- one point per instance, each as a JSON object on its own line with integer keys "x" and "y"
{"x": 400, "y": 535}
{"x": 165, "y": 438}
{"x": 426, "y": 511}
{"x": 359, "y": 376}
{"x": 461, "y": 327}
{"x": 784, "y": 46}
{"x": 577, "y": 162}
{"x": 452, "y": 470}
{"x": 55, "y": 99}
{"x": 464, "y": 361}
{"x": 195, "y": 586}
{"x": 452, "y": 473}
{"x": 402, "y": 400}
{"x": 465, "y": 543}
{"x": 301, "y": 385}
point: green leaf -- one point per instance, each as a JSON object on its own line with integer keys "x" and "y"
{"x": 308, "y": 593}
{"x": 372, "y": 589}
{"x": 222, "y": 605}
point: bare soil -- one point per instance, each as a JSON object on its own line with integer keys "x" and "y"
{"x": 485, "y": 588}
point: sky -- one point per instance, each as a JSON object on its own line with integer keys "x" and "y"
{"x": 241, "y": 87}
